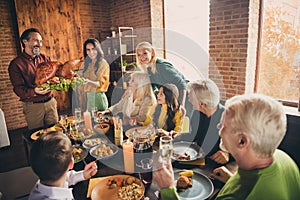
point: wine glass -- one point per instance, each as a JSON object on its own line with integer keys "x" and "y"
{"x": 142, "y": 156}
{"x": 94, "y": 111}
{"x": 165, "y": 148}
{"x": 78, "y": 115}
{"x": 63, "y": 121}
{"x": 146, "y": 170}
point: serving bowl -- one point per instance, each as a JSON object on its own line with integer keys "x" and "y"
{"x": 104, "y": 151}
{"x": 91, "y": 142}
{"x": 140, "y": 130}
{"x": 102, "y": 189}
{"x": 80, "y": 134}
{"x": 102, "y": 128}
{"x": 106, "y": 118}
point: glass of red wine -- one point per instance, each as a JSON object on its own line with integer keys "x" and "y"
{"x": 145, "y": 174}
{"x": 143, "y": 156}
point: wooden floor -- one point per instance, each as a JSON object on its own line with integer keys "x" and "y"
{"x": 13, "y": 156}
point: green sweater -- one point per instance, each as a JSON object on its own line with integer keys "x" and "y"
{"x": 280, "y": 180}
{"x": 166, "y": 73}
{"x": 169, "y": 194}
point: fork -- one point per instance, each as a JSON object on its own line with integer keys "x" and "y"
{"x": 82, "y": 158}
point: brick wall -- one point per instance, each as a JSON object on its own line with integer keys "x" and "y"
{"x": 9, "y": 102}
{"x": 130, "y": 13}
{"x": 136, "y": 14}
{"x": 228, "y": 35}
{"x": 96, "y": 19}
{"x": 229, "y": 49}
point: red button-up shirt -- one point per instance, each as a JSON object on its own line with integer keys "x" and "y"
{"x": 22, "y": 72}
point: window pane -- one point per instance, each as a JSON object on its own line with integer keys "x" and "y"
{"x": 280, "y": 50}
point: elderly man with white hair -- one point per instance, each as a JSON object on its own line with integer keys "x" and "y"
{"x": 204, "y": 95}
{"x": 251, "y": 129}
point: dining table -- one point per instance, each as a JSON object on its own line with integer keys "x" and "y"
{"x": 115, "y": 166}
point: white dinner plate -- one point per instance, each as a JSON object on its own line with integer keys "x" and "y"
{"x": 189, "y": 148}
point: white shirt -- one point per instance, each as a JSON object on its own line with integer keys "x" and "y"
{"x": 42, "y": 192}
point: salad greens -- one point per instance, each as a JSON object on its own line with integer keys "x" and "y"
{"x": 64, "y": 84}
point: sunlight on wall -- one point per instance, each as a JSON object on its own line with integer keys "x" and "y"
{"x": 187, "y": 36}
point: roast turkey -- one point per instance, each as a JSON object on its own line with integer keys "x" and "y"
{"x": 67, "y": 70}
{"x": 48, "y": 71}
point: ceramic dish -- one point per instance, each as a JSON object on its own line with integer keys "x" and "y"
{"x": 91, "y": 142}
{"x": 37, "y": 134}
{"x": 103, "y": 151}
{"x": 202, "y": 187}
{"x": 80, "y": 134}
{"x": 141, "y": 129}
{"x": 102, "y": 190}
{"x": 102, "y": 128}
{"x": 79, "y": 150}
{"x": 106, "y": 118}
{"x": 186, "y": 151}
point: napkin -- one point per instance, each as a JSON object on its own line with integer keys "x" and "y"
{"x": 92, "y": 183}
{"x": 199, "y": 161}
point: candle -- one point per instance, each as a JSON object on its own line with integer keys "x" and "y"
{"x": 87, "y": 120}
{"x": 128, "y": 157}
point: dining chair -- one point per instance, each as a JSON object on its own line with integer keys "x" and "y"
{"x": 186, "y": 125}
{"x": 17, "y": 183}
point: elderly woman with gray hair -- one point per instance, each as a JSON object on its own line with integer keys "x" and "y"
{"x": 204, "y": 95}
{"x": 136, "y": 102}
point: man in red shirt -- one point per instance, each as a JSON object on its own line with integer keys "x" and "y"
{"x": 39, "y": 106}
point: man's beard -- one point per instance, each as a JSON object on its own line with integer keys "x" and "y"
{"x": 36, "y": 51}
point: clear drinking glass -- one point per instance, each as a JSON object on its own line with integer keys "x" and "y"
{"x": 142, "y": 155}
{"x": 94, "y": 111}
{"x": 165, "y": 148}
{"x": 146, "y": 170}
{"x": 78, "y": 114}
{"x": 63, "y": 121}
